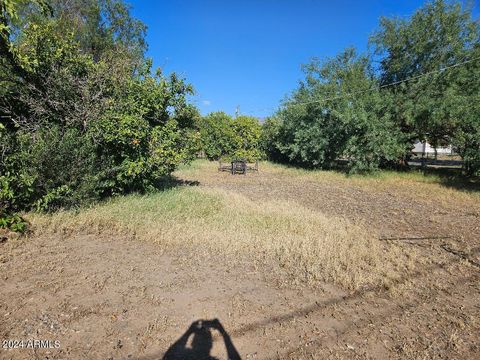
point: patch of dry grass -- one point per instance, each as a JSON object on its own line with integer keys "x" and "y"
{"x": 413, "y": 184}
{"x": 410, "y": 185}
{"x": 306, "y": 245}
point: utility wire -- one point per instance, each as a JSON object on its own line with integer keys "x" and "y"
{"x": 371, "y": 89}
{"x": 390, "y": 84}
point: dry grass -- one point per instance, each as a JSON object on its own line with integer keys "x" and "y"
{"x": 452, "y": 195}
{"x": 293, "y": 225}
{"x": 413, "y": 184}
{"x": 306, "y": 245}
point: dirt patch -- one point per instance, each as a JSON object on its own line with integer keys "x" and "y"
{"x": 397, "y": 208}
{"x": 111, "y": 297}
{"x": 115, "y": 298}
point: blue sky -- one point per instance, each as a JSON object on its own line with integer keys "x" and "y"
{"x": 249, "y": 52}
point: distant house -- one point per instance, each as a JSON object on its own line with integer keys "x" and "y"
{"x": 429, "y": 149}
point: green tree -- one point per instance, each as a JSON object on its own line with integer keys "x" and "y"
{"x": 439, "y": 35}
{"x": 339, "y": 113}
{"x": 217, "y": 135}
{"x": 80, "y": 120}
{"x": 465, "y": 108}
{"x": 270, "y": 137}
{"x": 225, "y": 137}
{"x": 247, "y": 131}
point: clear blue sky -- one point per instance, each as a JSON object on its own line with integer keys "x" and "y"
{"x": 249, "y": 52}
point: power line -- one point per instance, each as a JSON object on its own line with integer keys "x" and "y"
{"x": 371, "y": 89}
{"x": 390, "y": 84}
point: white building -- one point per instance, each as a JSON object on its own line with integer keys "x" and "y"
{"x": 429, "y": 149}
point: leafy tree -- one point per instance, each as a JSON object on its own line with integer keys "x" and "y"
{"x": 83, "y": 114}
{"x": 270, "y": 137}
{"x": 217, "y": 135}
{"x": 437, "y": 36}
{"x": 247, "y": 132}
{"x": 144, "y": 134}
{"x": 425, "y": 88}
{"x": 337, "y": 113}
{"x": 465, "y": 108}
{"x": 225, "y": 137}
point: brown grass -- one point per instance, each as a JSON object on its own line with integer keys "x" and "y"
{"x": 411, "y": 184}
{"x": 307, "y": 246}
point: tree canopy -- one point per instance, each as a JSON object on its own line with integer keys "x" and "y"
{"x": 426, "y": 88}
{"x": 440, "y": 35}
{"x": 82, "y": 113}
{"x": 225, "y": 137}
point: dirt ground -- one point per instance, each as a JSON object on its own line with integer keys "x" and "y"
{"x": 105, "y": 297}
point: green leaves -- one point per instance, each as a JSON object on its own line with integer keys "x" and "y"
{"x": 217, "y": 135}
{"x": 86, "y": 117}
{"x": 338, "y": 113}
{"x": 437, "y": 36}
{"x": 225, "y": 137}
{"x": 426, "y": 88}
{"x": 13, "y": 222}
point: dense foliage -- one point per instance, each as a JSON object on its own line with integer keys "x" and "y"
{"x": 320, "y": 127}
{"x": 83, "y": 116}
{"x": 439, "y": 107}
{"x": 225, "y": 137}
{"x": 347, "y": 110}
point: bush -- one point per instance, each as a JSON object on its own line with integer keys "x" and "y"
{"x": 13, "y": 222}
{"x": 247, "y": 132}
{"x": 77, "y": 126}
{"x": 217, "y": 135}
{"x": 225, "y": 138}
{"x": 269, "y": 139}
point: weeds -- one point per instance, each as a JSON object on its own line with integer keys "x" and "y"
{"x": 306, "y": 245}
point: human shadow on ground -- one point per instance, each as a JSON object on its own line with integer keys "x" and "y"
{"x": 201, "y": 343}
{"x": 179, "y": 349}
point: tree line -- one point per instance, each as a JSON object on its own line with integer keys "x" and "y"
{"x": 420, "y": 82}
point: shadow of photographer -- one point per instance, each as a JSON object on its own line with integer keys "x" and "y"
{"x": 201, "y": 343}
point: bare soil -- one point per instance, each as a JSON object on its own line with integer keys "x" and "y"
{"x": 106, "y": 297}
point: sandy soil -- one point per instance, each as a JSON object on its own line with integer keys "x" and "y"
{"x": 115, "y": 298}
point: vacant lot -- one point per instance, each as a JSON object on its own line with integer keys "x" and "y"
{"x": 294, "y": 264}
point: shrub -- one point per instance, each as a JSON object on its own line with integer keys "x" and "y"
{"x": 227, "y": 138}
{"x": 79, "y": 124}
{"x": 217, "y": 135}
{"x": 247, "y": 131}
{"x": 269, "y": 139}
